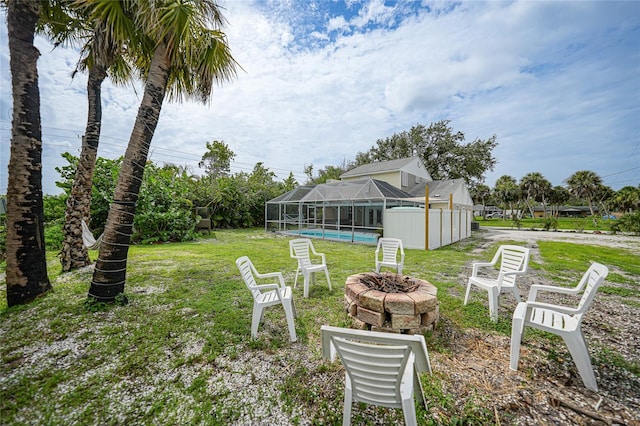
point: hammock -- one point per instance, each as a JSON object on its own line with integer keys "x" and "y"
{"x": 87, "y": 238}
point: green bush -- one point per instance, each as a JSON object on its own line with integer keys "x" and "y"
{"x": 173, "y": 225}
{"x": 53, "y": 236}
{"x": 630, "y": 222}
{"x": 549, "y": 223}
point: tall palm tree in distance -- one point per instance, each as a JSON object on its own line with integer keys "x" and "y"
{"x": 26, "y": 271}
{"x": 536, "y": 188}
{"x": 507, "y": 191}
{"x": 190, "y": 53}
{"x": 585, "y": 185}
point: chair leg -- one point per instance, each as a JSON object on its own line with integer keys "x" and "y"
{"x": 580, "y": 354}
{"x": 256, "y": 319}
{"x": 295, "y": 282}
{"x": 494, "y": 294}
{"x": 348, "y": 399}
{"x": 517, "y": 327}
{"x": 305, "y": 293}
{"x": 399, "y": 269}
{"x": 466, "y": 295}
{"x": 409, "y": 409}
{"x": 288, "y": 312}
{"x": 326, "y": 273}
{"x": 516, "y": 294}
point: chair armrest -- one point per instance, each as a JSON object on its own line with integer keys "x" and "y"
{"x": 557, "y": 308}
{"x": 479, "y": 265}
{"x": 533, "y": 292}
{"x": 273, "y": 275}
{"x": 266, "y": 286}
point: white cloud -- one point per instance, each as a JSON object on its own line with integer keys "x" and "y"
{"x": 557, "y": 82}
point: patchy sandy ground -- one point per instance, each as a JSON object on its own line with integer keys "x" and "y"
{"x": 547, "y": 388}
{"x": 631, "y": 243}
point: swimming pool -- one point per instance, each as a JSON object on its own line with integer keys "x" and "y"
{"x": 358, "y": 237}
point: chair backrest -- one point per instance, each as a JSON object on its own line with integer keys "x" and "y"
{"x": 375, "y": 370}
{"x": 594, "y": 276}
{"x": 514, "y": 259}
{"x": 390, "y": 247}
{"x": 418, "y": 359}
{"x": 246, "y": 271}
{"x": 299, "y": 248}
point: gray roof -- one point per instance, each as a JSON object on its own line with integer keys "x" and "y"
{"x": 361, "y": 189}
{"x": 378, "y": 167}
{"x": 437, "y": 188}
{"x": 296, "y": 194}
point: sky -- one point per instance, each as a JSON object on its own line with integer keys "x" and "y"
{"x": 557, "y": 82}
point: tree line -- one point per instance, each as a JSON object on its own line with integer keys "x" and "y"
{"x": 583, "y": 187}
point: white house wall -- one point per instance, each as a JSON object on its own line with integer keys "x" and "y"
{"x": 407, "y": 225}
{"x": 445, "y": 226}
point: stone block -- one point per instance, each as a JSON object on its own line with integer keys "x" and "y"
{"x": 359, "y": 325}
{"x": 370, "y": 317}
{"x": 350, "y": 306}
{"x": 372, "y": 299}
{"x": 354, "y": 289}
{"x": 427, "y": 287}
{"x": 399, "y": 303}
{"x": 431, "y": 316}
{"x": 405, "y": 321}
{"x": 423, "y": 301}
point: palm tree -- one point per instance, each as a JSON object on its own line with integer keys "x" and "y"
{"x": 481, "y": 193}
{"x": 507, "y": 191}
{"x": 536, "y": 188}
{"x": 188, "y": 57}
{"x": 26, "y": 272}
{"x": 627, "y": 199}
{"x": 585, "y": 185}
{"x": 101, "y": 55}
{"x": 558, "y": 196}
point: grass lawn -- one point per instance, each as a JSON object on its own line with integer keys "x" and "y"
{"x": 178, "y": 352}
{"x": 563, "y": 223}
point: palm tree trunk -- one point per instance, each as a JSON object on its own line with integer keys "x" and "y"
{"x": 74, "y": 254}
{"x": 26, "y": 271}
{"x": 109, "y": 276}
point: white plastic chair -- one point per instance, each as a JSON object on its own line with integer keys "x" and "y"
{"x": 381, "y": 368}
{"x": 390, "y": 248}
{"x": 301, "y": 249}
{"x": 514, "y": 261}
{"x": 561, "y": 320}
{"x": 279, "y": 294}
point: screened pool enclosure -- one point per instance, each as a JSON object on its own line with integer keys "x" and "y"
{"x": 344, "y": 210}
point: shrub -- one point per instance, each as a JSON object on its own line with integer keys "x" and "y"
{"x": 630, "y": 222}
{"x": 550, "y": 223}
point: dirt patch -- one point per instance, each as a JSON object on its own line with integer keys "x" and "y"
{"x": 547, "y": 389}
{"x": 631, "y": 243}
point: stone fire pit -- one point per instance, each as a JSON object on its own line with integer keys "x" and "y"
{"x": 391, "y": 302}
